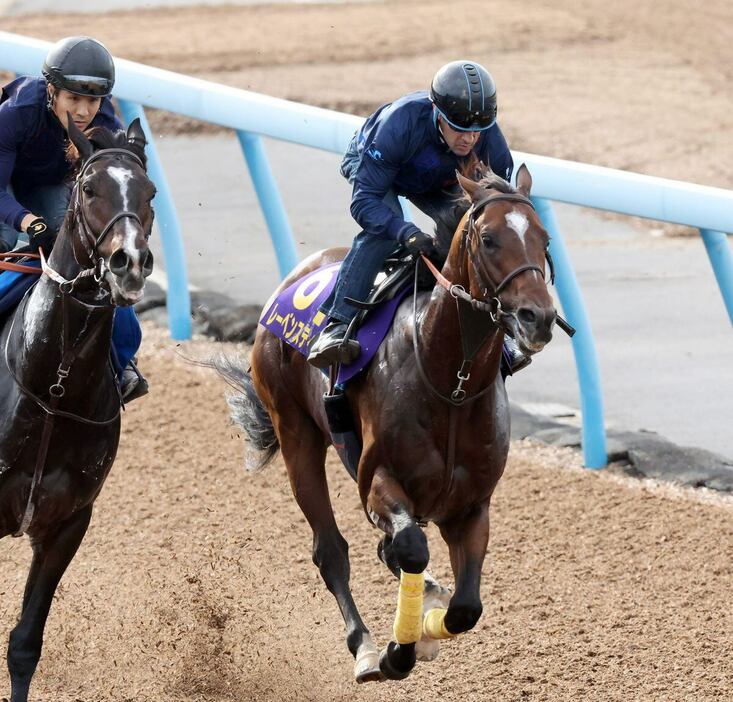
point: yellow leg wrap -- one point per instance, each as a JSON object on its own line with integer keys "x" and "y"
{"x": 408, "y": 620}
{"x": 434, "y": 625}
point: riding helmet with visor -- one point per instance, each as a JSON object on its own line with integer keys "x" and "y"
{"x": 81, "y": 65}
{"x": 464, "y": 94}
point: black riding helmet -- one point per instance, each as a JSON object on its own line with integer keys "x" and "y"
{"x": 465, "y": 95}
{"x": 80, "y": 65}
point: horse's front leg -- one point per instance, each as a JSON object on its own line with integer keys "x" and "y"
{"x": 51, "y": 557}
{"x": 434, "y": 596}
{"x": 467, "y": 539}
{"x": 392, "y": 511}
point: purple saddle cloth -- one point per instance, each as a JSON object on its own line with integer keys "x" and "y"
{"x": 293, "y": 316}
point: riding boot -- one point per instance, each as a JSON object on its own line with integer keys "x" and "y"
{"x": 331, "y": 346}
{"x": 132, "y": 383}
{"x": 513, "y": 360}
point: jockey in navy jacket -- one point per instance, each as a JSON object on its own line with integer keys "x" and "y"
{"x": 401, "y": 148}
{"x": 32, "y": 143}
{"x": 411, "y": 147}
{"x": 35, "y": 187}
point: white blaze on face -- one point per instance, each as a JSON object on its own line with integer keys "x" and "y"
{"x": 519, "y": 223}
{"x": 122, "y": 177}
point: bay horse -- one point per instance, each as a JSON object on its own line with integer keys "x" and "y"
{"x": 432, "y": 414}
{"x": 59, "y": 400}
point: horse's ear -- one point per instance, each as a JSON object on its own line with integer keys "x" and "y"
{"x": 135, "y": 133}
{"x": 472, "y": 189}
{"x": 524, "y": 180}
{"x": 78, "y": 139}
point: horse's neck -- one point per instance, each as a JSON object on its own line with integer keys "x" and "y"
{"x": 55, "y": 330}
{"x": 441, "y": 335}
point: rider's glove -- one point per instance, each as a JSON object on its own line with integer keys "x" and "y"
{"x": 39, "y": 235}
{"x": 420, "y": 242}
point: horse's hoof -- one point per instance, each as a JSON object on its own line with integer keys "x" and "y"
{"x": 369, "y": 675}
{"x": 366, "y": 667}
{"x": 388, "y": 668}
{"x": 427, "y": 649}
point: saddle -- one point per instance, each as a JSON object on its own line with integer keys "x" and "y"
{"x": 390, "y": 281}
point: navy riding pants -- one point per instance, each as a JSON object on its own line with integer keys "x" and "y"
{"x": 369, "y": 251}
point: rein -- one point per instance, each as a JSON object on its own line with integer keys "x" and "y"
{"x": 7, "y": 265}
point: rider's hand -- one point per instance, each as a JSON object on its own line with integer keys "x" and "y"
{"x": 39, "y": 235}
{"x": 420, "y": 242}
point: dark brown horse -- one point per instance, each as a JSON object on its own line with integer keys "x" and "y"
{"x": 59, "y": 403}
{"x": 432, "y": 414}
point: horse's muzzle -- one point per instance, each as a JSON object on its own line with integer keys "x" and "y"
{"x": 128, "y": 275}
{"x": 532, "y": 326}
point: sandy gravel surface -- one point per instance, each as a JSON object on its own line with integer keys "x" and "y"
{"x": 195, "y": 581}
{"x": 640, "y": 86}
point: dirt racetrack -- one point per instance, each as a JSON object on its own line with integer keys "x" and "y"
{"x": 194, "y": 582}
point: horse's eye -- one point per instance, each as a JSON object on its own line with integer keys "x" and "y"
{"x": 87, "y": 190}
{"x": 489, "y": 241}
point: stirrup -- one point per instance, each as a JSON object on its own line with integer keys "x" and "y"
{"x": 342, "y": 349}
{"x": 133, "y": 384}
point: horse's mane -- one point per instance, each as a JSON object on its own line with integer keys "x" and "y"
{"x": 475, "y": 169}
{"x": 103, "y": 138}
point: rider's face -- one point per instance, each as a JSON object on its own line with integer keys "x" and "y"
{"x": 82, "y": 108}
{"x": 460, "y": 143}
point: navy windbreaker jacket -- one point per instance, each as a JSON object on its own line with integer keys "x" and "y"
{"x": 401, "y": 148}
{"x": 32, "y": 143}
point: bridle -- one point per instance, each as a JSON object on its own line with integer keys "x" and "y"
{"x": 468, "y": 305}
{"x": 97, "y": 266}
{"x": 493, "y": 306}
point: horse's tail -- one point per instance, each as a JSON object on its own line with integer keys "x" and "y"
{"x": 248, "y": 412}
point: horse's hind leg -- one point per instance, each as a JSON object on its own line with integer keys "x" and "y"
{"x": 467, "y": 540}
{"x": 304, "y": 450}
{"x": 51, "y": 557}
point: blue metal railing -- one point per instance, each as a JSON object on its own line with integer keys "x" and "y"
{"x": 253, "y": 115}
{"x": 178, "y": 299}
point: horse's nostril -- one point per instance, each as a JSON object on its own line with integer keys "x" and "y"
{"x": 526, "y": 316}
{"x": 119, "y": 262}
{"x": 147, "y": 263}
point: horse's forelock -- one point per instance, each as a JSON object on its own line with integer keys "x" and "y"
{"x": 473, "y": 168}
{"x": 103, "y": 138}
{"x": 495, "y": 182}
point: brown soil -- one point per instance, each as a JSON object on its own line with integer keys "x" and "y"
{"x": 195, "y": 581}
